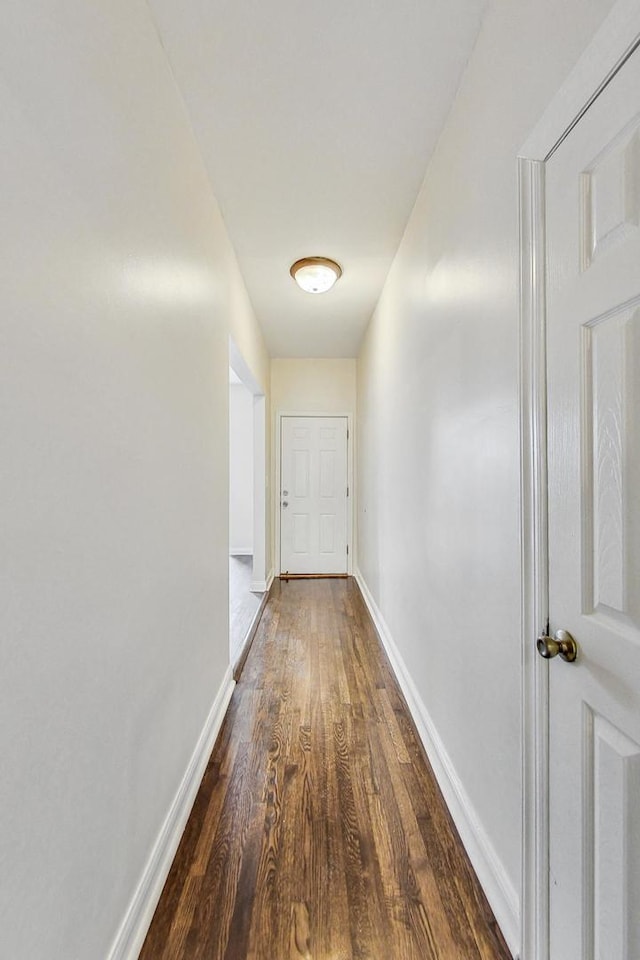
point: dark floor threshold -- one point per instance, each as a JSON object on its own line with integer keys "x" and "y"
{"x": 313, "y": 576}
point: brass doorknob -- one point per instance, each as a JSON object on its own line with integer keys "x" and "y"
{"x": 561, "y": 643}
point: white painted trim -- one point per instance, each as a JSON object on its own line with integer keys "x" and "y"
{"x": 618, "y": 35}
{"x": 260, "y": 489}
{"x": 535, "y": 564}
{"x": 236, "y": 658}
{"x": 134, "y": 928}
{"x": 245, "y": 375}
{"x": 608, "y": 49}
{"x": 277, "y": 437}
{"x": 486, "y": 863}
{"x": 243, "y": 371}
{"x": 236, "y": 652}
{"x": 262, "y": 586}
{"x": 240, "y": 551}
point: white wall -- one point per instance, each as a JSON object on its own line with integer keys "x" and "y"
{"x": 240, "y": 469}
{"x": 118, "y": 290}
{"x": 438, "y": 423}
{"x": 313, "y": 386}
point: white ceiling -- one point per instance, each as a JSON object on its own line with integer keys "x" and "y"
{"x": 316, "y": 122}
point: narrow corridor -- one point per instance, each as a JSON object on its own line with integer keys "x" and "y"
{"x": 319, "y": 831}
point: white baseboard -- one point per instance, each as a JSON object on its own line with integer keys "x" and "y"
{"x": 490, "y": 871}
{"x": 237, "y": 656}
{"x": 240, "y": 551}
{"x": 130, "y": 937}
{"x": 262, "y": 586}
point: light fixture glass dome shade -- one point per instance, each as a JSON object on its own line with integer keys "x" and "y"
{"x": 315, "y": 274}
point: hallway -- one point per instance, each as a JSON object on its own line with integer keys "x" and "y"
{"x": 172, "y": 170}
{"x": 319, "y": 831}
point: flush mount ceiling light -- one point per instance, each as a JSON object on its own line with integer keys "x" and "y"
{"x": 315, "y": 274}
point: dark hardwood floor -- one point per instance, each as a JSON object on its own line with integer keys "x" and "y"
{"x": 319, "y": 832}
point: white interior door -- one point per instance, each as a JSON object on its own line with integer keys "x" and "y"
{"x": 593, "y": 243}
{"x": 313, "y": 501}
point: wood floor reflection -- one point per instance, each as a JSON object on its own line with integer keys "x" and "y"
{"x": 319, "y": 832}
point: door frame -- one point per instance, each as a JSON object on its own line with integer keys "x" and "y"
{"x": 259, "y": 574}
{"x": 276, "y": 489}
{"x": 615, "y": 41}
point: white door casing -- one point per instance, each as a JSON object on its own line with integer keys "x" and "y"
{"x": 612, "y": 46}
{"x": 593, "y": 381}
{"x": 313, "y": 495}
{"x": 261, "y": 574}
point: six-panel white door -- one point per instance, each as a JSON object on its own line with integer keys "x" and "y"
{"x": 593, "y": 244}
{"x": 313, "y": 495}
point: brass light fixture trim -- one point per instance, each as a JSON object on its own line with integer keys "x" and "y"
{"x": 315, "y": 274}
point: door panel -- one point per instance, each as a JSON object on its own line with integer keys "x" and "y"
{"x": 301, "y": 538}
{"x": 313, "y": 501}
{"x": 614, "y": 854}
{"x": 593, "y": 350}
{"x": 612, "y": 398}
{"x": 328, "y": 474}
{"x": 301, "y": 470}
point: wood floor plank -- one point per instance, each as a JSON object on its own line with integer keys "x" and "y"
{"x": 330, "y": 914}
{"x": 319, "y": 832}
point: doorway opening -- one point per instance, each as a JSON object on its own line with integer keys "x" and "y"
{"x": 247, "y": 506}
